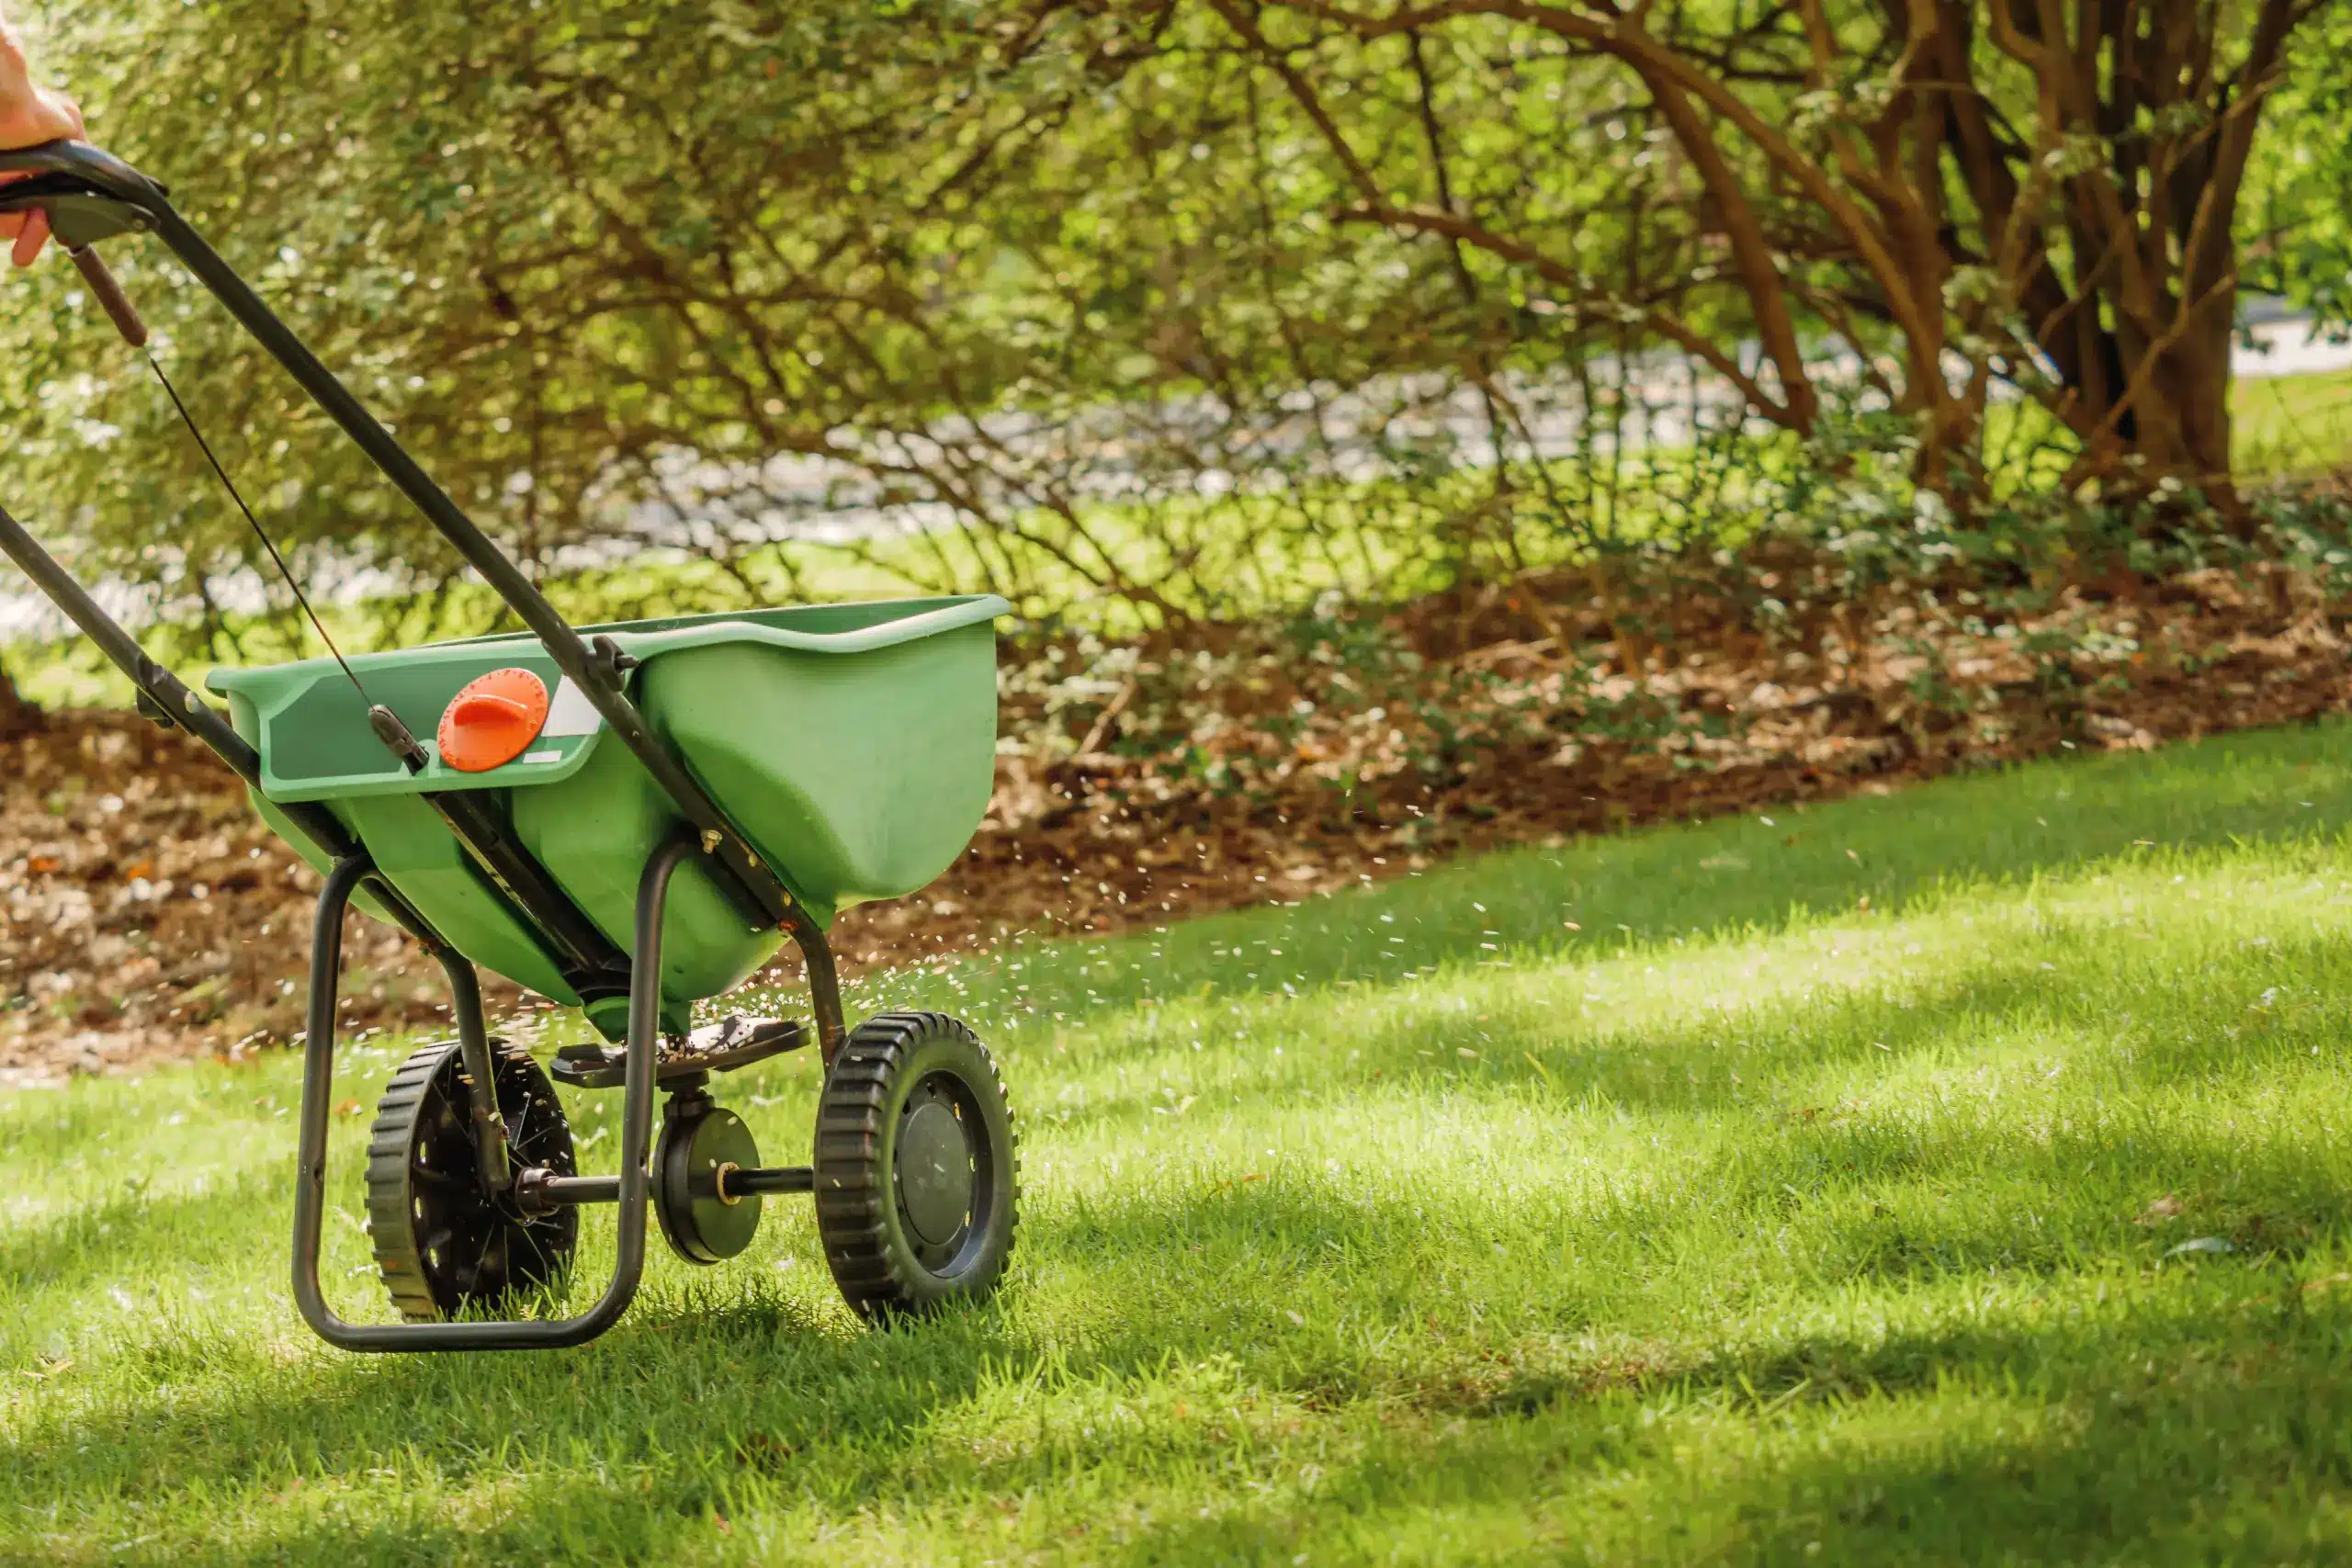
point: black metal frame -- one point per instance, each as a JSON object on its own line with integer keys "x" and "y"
{"x": 637, "y": 1126}
{"x": 91, "y": 196}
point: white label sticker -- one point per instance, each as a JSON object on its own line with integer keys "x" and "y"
{"x": 571, "y": 713}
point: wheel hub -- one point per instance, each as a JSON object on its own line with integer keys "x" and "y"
{"x": 934, "y": 1169}
{"x": 702, "y": 1221}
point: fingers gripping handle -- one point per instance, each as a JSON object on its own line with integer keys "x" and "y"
{"x": 85, "y": 196}
{"x": 110, "y": 296}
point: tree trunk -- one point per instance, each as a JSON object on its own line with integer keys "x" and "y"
{"x": 2196, "y": 386}
{"x": 2175, "y": 424}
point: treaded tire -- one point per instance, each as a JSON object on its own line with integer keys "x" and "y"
{"x": 441, "y": 1245}
{"x": 894, "y": 1069}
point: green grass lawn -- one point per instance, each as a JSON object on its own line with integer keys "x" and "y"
{"x": 1738, "y": 1220}
{"x": 2292, "y": 424}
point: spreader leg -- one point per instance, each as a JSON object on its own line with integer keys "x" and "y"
{"x": 824, "y": 983}
{"x": 637, "y": 1127}
{"x": 473, "y": 1044}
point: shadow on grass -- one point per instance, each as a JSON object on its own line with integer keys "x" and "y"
{"x": 694, "y": 1408}
{"x": 132, "y": 1239}
{"x": 2178, "y": 1438}
{"x": 745, "y": 1397}
{"x": 2154, "y": 1432}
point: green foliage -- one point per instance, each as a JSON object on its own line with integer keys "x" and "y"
{"x": 685, "y": 276}
{"x": 2299, "y": 220}
{"x": 701, "y": 303}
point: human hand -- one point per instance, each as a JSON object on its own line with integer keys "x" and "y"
{"x": 30, "y": 114}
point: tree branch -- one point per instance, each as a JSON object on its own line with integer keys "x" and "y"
{"x": 1556, "y": 272}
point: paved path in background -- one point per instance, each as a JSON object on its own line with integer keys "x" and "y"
{"x": 2280, "y": 345}
{"x": 2286, "y": 347}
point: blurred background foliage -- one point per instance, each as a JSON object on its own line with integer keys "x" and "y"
{"x": 1148, "y": 315}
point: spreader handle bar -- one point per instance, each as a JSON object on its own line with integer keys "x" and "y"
{"x": 72, "y": 171}
{"x": 82, "y": 169}
{"x": 87, "y": 196}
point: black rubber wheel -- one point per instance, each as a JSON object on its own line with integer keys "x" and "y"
{"x": 918, "y": 1172}
{"x": 441, "y": 1245}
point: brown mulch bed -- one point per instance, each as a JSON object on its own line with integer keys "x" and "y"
{"x": 145, "y": 913}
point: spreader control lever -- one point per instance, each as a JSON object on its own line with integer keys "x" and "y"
{"x": 110, "y": 296}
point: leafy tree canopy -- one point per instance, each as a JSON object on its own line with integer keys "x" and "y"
{"x": 1036, "y": 280}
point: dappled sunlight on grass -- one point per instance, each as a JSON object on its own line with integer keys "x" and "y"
{"x": 2001, "y": 1215}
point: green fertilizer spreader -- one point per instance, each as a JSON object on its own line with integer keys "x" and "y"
{"x": 627, "y": 819}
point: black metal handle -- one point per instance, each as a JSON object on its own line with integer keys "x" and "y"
{"x": 98, "y": 172}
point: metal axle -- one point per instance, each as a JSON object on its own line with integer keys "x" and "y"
{"x": 539, "y": 1189}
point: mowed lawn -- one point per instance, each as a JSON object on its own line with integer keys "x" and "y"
{"x": 1962, "y": 1173}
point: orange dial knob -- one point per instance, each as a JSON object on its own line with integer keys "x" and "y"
{"x": 488, "y": 723}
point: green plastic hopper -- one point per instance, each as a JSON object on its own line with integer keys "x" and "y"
{"x": 853, "y": 744}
